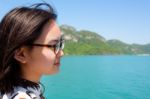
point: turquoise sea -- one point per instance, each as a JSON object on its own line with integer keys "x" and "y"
{"x": 100, "y": 77}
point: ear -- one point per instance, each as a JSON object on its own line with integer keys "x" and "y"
{"x": 21, "y": 55}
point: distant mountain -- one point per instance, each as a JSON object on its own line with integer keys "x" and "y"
{"x": 85, "y": 42}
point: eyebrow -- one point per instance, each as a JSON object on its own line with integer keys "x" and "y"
{"x": 56, "y": 40}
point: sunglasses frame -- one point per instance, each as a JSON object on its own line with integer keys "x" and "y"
{"x": 57, "y": 47}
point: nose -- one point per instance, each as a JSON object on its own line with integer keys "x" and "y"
{"x": 60, "y": 53}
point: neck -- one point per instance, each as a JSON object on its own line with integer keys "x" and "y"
{"x": 30, "y": 75}
{"x": 31, "y": 78}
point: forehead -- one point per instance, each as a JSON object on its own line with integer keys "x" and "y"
{"x": 50, "y": 32}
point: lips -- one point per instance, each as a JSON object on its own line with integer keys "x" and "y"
{"x": 57, "y": 64}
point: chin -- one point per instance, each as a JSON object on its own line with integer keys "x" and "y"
{"x": 52, "y": 73}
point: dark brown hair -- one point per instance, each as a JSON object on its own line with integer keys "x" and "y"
{"x": 21, "y": 26}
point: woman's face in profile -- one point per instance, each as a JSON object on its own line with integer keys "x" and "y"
{"x": 43, "y": 60}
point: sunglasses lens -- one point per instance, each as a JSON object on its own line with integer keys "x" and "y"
{"x": 59, "y": 46}
{"x": 62, "y": 45}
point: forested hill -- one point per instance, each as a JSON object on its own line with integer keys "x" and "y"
{"x": 85, "y": 42}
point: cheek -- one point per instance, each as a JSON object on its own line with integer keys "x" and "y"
{"x": 47, "y": 56}
{"x": 44, "y": 61}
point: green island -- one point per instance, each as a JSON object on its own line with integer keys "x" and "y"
{"x": 86, "y": 42}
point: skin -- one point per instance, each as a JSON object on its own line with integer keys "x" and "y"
{"x": 41, "y": 60}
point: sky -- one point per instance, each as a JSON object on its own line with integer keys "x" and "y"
{"x": 125, "y": 20}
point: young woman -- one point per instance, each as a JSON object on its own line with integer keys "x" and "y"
{"x": 31, "y": 45}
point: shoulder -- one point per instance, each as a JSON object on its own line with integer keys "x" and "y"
{"x": 23, "y": 93}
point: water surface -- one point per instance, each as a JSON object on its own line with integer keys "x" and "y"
{"x": 100, "y": 77}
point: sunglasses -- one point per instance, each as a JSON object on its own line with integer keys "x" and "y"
{"x": 57, "y": 47}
